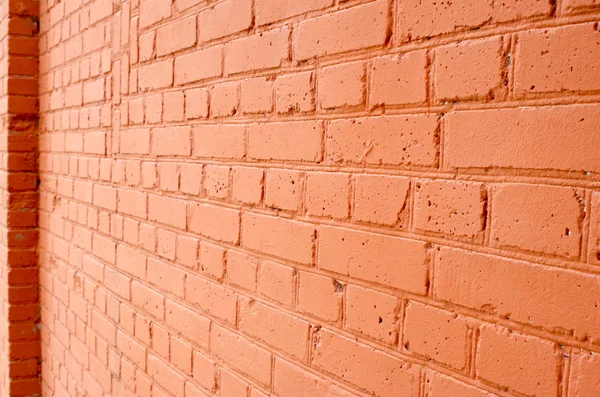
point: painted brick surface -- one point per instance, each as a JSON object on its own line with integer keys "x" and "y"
{"x": 300, "y": 198}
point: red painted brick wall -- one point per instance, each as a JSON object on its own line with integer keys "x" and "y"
{"x": 318, "y": 198}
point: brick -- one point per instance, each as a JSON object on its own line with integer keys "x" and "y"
{"x": 135, "y": 141}
{"x": 191, "y": 178}
{"x": 284, "y": 238}
{"x": 570, "y": 6}
{"x": 247, "y": 185}
{"x": 171, "y": 141}
{"x": 291, "y": 380}
{"x": 105, "y": 197}
{"x": 424, "y": 20}
{"x": 256, "y": 95}
{"x": 436, "y": 334}
{"x": 242, "y": 354}
{"x": 173, "y": 106}
{"x": 224, "y": 19}
{"x": 328, "y": 194}
{"x": 188, "y": 324}
{"x": 242, "y": 270}
{"x": 277, "y": 282}
{"x": 176, "y": 36}
{"x": 556, "y": 298}
{"x": 286, "y": 333}
{"x": 387, "y": 260}
{"x": 154, "y": 108}
{"x": 131, "y": 261}
{"x": 153, "y": 11}
{"x": 224, "y": 99}
{"x": 319, "y": 296}
{"x": 165, "y": 276}
{"x": 381, "y": 199}
{"x": 167, "y": 211}
{"x": 260, "y": 51}
{"x": 187, "y": 251}
{"x": 440, "y": 385}
{"x": 284, "y": 189}
{"x": 269, "y": 11}
{"x": 585, "y": 374}
{"x": 168, "y": 177}
{"x": 196, "y": 104}
{"x": 525, "y": 364}
{"x": 397, "y": 140}
{"x": 215, "y": 222}
{"x": 343, "y": 31}
{"x": 557, "y": 60}
{"x": 450, "y": 208}
{"x": 212, "y": 260}
{"x": 156, "y": 75}
{"x": 117, "y": 282}
{"x": 294, "y": 141}
{"x": 216, "y": 181}
{"x": 212, "y": 299}
{"x": 594, "y": 239}
{"x": 203, "y": 371}
{"x": 198, "y": 65}
{"x": 469, "y": 70}
{"x": 219, "y": 141}
{"x": 164, "y": 375}
{"x": 132, "y": 203}
{"x": 295, "y": 93}
{"x": 342, "y": 86}
{"x": 231, "y": 385}
{"x": 537, "y": 218}
{"x": 539, "y": 138}
{"x": 346, "y": 358}
{"x": 148, "y": 300}
{"x": 372, "y": 313}
{"x": 399, "y": 80}
{"x": 132, "y": 349}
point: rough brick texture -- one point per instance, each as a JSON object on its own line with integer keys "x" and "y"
{"x": 325, "y": 198}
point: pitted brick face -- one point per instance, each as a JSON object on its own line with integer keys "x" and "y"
{"x": 328, "y": 198}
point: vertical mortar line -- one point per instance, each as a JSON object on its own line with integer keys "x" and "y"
{"x": 514, "y": 43}
{"x": 586, "y": 225}
{"x": 488, "y": 221}
{"x": 474, "y": 341}
{"x": 351, "y": 197}
{"x": 401, "y": 322}
{"x": 367, "y": 72}
{"x": 563, "y": 388}
{"x": 396, "y": 35}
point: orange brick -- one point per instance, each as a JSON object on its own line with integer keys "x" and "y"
{"x": 224, "y": 19}
{"x": 537, "y": 218}
{"x": 260, "y": 51}
{"x": 269, "y": 11}
{"x": 219, "y": 141}
{"x": 585, "y": 374}
{"x": 216, "y": 181}
{"x": 176, "y": 36}
{"x": 189, "y": 324}
{"x": 153, "y": 11}
{"x": 135, "y": 141}
{"x": 165, "y": 376}
{"x": 381, "y": 199}
{"x": 166, "y": 277}
{"x": 284, "y": 189}
{"x": 291, "y": 380}
{"x": 204, "y": 371}
{"x": 191, "y": 178}
{"x": 167, "y": 210}
{"x": 147, "y": 299}
{"x": 342, "y": 31}
{"x": 171, "y": 141}
{"x": 212, "y": 260}
{"x": 212, "y": 299}
{"x": 215, "y": 222}
{"x": 577, "y": 5}
{"x": 327, "y": 194}
{"x": 594, "y": 241}
{"x": 277, "y": 282}
{"x": 372, "y": 313}
{"x": 247, "y": 185}
{"x": 295, "y": 141}
{"x": 342, "y": 85}
{"x": 224, "y": 100}
{"x": 231, "y": 385}
{"x": 436, "y": 334}
{"x": 319, "y": 296}
{"x": 391, "y": 261}
{"x": 399, "y": 80}
{"x": 521, "y": 363}
{"x": 198, "y": 65}
{"x": 440, "y": 385}
{"x": 256, "y": 95}
{"x": 295, "y": 93}
{"x": 242, "y": 270}
{"x": 173, "y": 106}
{"x": 156, "y": 75}
{"x": 196, "y": 104}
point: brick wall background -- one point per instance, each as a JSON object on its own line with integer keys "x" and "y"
{"x": 317, "y": 198}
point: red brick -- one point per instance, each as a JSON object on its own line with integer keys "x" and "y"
{"x": 537, "y": 218}
{"x": 319, "y": 296}
{"x": 295, "y": 141}
{"x": 224, "y": 99}
{"x": 153, "y": 11}
{"x": 387, "y": 260}
{"x": 525, "y": 364}
{"x": 242, "y": 270}
{"x": 268, "y": 11}
{"x": 242, "y": 354}
{"x": 450, "y": 208}
{"x": 584, "y": 378}
{"x": 436, "y": 334}
{"x": 256, "y": 95}
{"x": 342, "y": 86}
{"x": 441, "y": 386}
{"x": 328, "y": 194}
{"x": 286, "y": 333}
{"x": 224, "y": 19}
{"x": 284, "y": 189}
{"x": 469, "y": 70}
{"x": 350, "y": 29}
{"x": 381, "y": 199}
{"x": 372, "y": 313}
{"x": 212, "y": 299}
{"x": 167, "y": 210}
{"x": 156, "y": 75}
{"x": 199, "y": 65}
{"x": 541, "y": 138}
{"x": 260, "y": 51}
{"x": 399, "y": 80}
{"x": 215, "y": 222}
{"x": 556, "y": 298}
{"x": 247, "y": 185}
{"x": 399, "y": 140}
{"x": 176, "y": 36}
{"x": 279, "y": 237}
{"x": 189, "y": 324}
{"x": 219, "y": 141}
{"x": 347, "y": 359}
{"x": 295, "y": 93}
{"x": 424, "y": 20}
{"x": 291, "y": 380}
{"x": 557, "y": 60}
{"x": 171, "y": 141}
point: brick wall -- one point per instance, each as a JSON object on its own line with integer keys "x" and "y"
{"x": 318, "y": 198}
